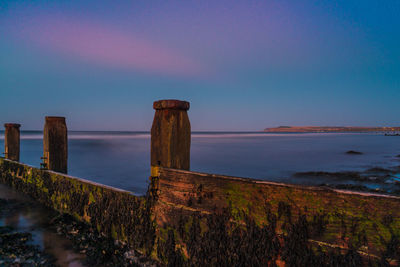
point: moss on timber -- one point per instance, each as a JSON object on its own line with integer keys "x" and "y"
{"x": 115, "y": 213}
{"x": 228, "y": 242}
{"x": 342, "y": 212}
{"x": 341, "y": 228}
{"x": 230, "y": 223}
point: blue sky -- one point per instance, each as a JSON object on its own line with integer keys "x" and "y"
{"x": 243, "y": 65}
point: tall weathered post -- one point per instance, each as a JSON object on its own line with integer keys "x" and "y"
{"x": 170, "y": 135}
{"x": 11, "y": 141}
{"x": 55, "y": 144}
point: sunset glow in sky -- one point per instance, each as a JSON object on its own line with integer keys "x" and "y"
{"x": 243, "y": 65}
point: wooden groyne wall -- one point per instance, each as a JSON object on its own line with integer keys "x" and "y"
{"x": 259, "y": 222}
{"x": 192, "y": 218}
{"x": 114, "y": 212}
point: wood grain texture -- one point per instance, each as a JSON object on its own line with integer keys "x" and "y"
{"x": 348, "y": 213}
{"x": 170, "y": 137}
{"x": 12, "y": 141}
{"x": 55, "y": 144}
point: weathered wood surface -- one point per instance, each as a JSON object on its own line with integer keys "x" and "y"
{"x": 349, "y": 216}
{"x": 12, "y": 141}
{"x": 114, "y": 212}
{"x": 190, "y": 218}
{"x": 55, "y": 144}
{"x": 170, "y": 135}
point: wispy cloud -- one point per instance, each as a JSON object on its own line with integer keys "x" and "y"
{"x": 100, "y": 44}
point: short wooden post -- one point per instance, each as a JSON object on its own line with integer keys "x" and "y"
{"x": 11, "y": 141}
{"x": 170, "y": 135}
{"x": 55, "y": 144}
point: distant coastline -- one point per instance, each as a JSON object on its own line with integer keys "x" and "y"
{"x": 329, "y": 129}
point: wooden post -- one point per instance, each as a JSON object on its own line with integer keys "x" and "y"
{"x": 11, "y": 141}
{"x": 170, "y": 135}
{"x": 55, "y": 144}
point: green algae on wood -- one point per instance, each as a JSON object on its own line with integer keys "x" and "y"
{"x": 186, "y": 215}
{"x": 114, "y": 212}
{"x": 349, "y": 220}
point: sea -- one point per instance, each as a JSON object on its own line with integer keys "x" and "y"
{"x": 122, "y": 159}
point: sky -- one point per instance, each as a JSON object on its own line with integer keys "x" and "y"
{"x": 243, "y": 65}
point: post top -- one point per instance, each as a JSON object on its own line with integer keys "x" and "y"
{"x": 12, "y": 125}
{"x": 171, "y": 104}
{"x": 54, "y": 119}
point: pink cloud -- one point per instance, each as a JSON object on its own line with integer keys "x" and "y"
{"x": 102, "y": 45}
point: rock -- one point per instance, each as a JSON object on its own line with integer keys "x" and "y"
{"x": 333, "y": 175}
{"x": 352, "y": 152}
{"x": 16, "y": 250}
{"x": 379, "y": 170}
{"x": 99, "y": 249}
{"x": 15, "y": 247}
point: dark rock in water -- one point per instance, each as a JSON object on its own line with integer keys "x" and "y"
{"x": 333, "y": 175}
{"x": 398, "y": 156}
{"x": 379, "y": 170}
{"x": 396, "y": 169}
{"x": 352, "y": 152}
{"x": 386, "y": 178}
{"x": 396, "y": 192}
{"x": 377, "y": 175}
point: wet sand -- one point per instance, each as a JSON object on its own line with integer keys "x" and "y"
{"x": 27, "y": 216}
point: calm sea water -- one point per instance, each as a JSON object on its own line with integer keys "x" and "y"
{"x": 122, "y": 159}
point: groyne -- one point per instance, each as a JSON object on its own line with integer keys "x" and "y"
{"x": 193, "y": 218}
{"x": 114, "y": 212}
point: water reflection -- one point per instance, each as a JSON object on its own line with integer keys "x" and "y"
{"x": 122, "y": 159}
{"x": 29, "y": 216}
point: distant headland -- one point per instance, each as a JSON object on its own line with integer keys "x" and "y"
{"x": 329, "y": 129}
